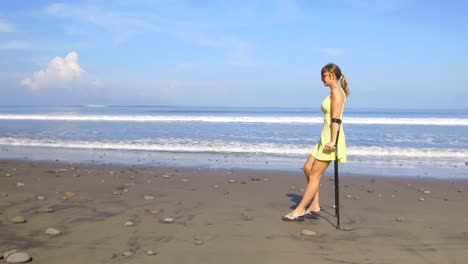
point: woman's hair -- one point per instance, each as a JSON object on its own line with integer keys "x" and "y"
{"x": 332, "y": 67}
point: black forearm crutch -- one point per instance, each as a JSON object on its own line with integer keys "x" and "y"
{"x": 337, "y": 185}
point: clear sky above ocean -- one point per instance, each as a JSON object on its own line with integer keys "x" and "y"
{"x": 396, "y": 53}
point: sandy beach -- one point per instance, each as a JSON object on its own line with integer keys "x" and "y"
{"x": 222, "y": 216}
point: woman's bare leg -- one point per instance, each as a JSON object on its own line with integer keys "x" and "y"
{"x": 315, "y": 174}
{"x": 315, "y": 205}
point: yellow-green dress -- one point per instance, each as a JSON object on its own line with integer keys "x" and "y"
{"x": 318, "y": 152}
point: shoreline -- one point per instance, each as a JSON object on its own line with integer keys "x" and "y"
{"x": 224, "y": 216}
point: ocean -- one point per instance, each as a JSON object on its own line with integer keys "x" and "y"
{"x": 389, "y": 142}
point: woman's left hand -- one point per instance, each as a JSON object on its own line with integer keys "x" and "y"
{"x": 329, "y": 146}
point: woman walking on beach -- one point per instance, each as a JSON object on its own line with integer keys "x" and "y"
{"x": 324, "y": 151}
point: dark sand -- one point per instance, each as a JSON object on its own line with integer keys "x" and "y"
{"x": 220, "y": 222}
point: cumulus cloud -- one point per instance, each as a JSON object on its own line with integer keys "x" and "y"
{"x": 58, "y": 70}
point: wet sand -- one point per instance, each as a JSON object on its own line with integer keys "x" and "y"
{"x": 223, "y": 216}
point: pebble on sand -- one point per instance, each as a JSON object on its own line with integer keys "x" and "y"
{"x": 127, "y": 253}
{"x": 129, "y": 223}
{"x": 18, "y": 257}
{"x": 400, "y": 219}
{"x": 41, "y": 198}
{"x": 52, "y": 231}
{"x": 149, "y": 197}
{"x": 421, "y": 199}
{"x": 8, "y": 253}
{"x": 168, "y": 220}
{"x": 307, "y": 232}
{"x": 18, "y": 220}
{"x": 19, "y": 184}
{"x": 150, "y": 253}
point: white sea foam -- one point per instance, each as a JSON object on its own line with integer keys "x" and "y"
{"x": 239, "y": 119}
{"x": 196, "y": 146}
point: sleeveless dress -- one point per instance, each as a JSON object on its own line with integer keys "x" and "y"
{"x": 318, "y": 152}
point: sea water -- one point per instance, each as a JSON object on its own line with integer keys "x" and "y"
{"x": 426, "y": 143}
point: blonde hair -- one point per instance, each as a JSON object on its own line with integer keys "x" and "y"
{"x": 332, "y": 67}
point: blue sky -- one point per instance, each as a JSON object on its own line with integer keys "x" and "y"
{"x": 395, "y": 53}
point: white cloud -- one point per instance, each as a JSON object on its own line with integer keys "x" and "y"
{"x": 5, "y": 27}
{"x": 58, "y": 70}
{"x": 332, "y": 51}
{"x": 96, "y": 83}
{"x": 14, "y": 45}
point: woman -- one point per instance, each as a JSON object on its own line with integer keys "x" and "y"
{"x": 324, "y": 151}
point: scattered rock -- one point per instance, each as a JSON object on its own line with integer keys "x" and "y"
{"x": 460, "y": 190}
{"x": 149, "y": 197}
{"x": 427, "y": 192}
{"x": 421, "y": 199}
{"x": 232, "y": 181}
{"x": 215, "y": 186}
{"x": 306, "y": 232}
{"x": 150, "y": 253}
{"x": 127, "y": 253}
{"x": 52, "y": 231}
{"x": 168, "y": 220}
{"x": 8, "y": 175}
{"x": 380, "y": 195}
{"x": 400, "y": 219}
{"x": 19, "y": 184}
{"x": 41, "y": 198}
{"x": 370, "y": 191}
{"x": 116, "y": 193}
{"x": 333, "y": 206}
{"x": 8, "y": 253}
{"x": 349, "y": 196}
{"x": 185, "y": 180}
{"x": 166, "y": 176}
{"x": 18, "y": 220}
{"x": 198, "y": 242}
{"x": 4, "y": 194}
{"x": 18, "y": 257}
{"x": 129, "y": 223}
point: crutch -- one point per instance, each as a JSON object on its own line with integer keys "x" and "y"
{"x": 337, "y": 185}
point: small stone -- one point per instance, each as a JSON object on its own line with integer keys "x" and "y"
{"x": 232, "y": 181}
{"x": 8, "y": 253}
{"x": 111, "y": 172}
{"x": 198, "y": 242}
{"x": 306, "y": 232}
{"x": 127, "y": 253}
{"x": 168, "y": 220}
{"x": 380, "y": 195}
{"x": 356, "y": 197}
{"x": 333, "y": 206}
{"x": 18, "y": 220}
{"x": 8, "y": 175}
{"x": 4, "y": 194}
{"x": 150, "y": 253}
{"x": 18, "y": 257}
{"x": 421, "y": 199}
{"x": 370, "y": 191}
{"x": 215, "y": 186}
{"x": 116, "y": 193}
{"x": 393, "y": 196}
{"x": 41, "y": 198}
{"x": 129, "y": 223}
{"x": 185, "y": 180}
{"x": 460, "y": 190}
{"x": 349, "y": 196}
{"x": 149, "y": 197}
{"x": 52, "y": 231}
{"x": 427, "y": 192}
{"x": 132, "y": 177}
{"x": 400, "y": 219}
{"x": 166, "y": 176}
{"x": 19, "y": 184}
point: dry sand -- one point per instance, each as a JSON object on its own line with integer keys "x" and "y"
{"x": 216, "y": 221}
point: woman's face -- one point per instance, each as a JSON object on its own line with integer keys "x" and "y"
{"x": 326, "y": 78}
